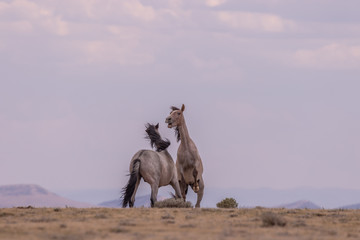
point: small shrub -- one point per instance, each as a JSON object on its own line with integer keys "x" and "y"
{"x": 227, "y": 203}
{"x": 43, "y": 220}
{"x": 173, "y": 203}
{"x": 5, "y": 214}
{"x": 28, "y": 207}
{"x": 210, "y": 210}
{"x": 299, "y": 223}
{"x": 63, "y": 225}
{"x": 119, "y": 229}
{"x": 167, "y": 216}
{"x": 101, "y": 216}
{"x": 188, "y": 226}
{"x": 270, "y": 219}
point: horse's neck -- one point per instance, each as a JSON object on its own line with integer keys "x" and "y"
{"x": 184, "y": 134}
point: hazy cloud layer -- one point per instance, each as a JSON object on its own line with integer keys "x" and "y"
{"x": 270, "y": 87}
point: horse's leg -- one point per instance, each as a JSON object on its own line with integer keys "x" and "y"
{"x": 200, "y": 192}
{"x": 183, "y": 187}
{"x": 131, "y": 203}
{"x": 175, "y": 184}
{"x": 195, "y": 186}
{"x": 154, "y": 192}
{"x": 186, "y": 189}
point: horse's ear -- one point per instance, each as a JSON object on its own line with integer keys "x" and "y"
{"x": 157, "y": 126}
{"x": 183, "y": 108}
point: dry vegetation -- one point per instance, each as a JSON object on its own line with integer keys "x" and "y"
{"x": 173, "y": 203}
{"x": 227, "y": 203}
{"x": 176, "y": 223}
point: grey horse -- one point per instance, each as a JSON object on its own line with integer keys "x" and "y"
{"x": 156, "y": 168}
{"x": 188, "y": 163}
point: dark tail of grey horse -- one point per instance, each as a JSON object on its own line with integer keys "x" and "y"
{"x": 129, "y": 189}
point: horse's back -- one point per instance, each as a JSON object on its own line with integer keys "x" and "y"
{"x": 155, "y": 167}
{"x": 148, "y": 158}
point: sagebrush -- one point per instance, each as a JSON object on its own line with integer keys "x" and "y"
{"x": 173, "y": 203}
{"x": 227, "y": 203}
{"x": 270, "y": 219}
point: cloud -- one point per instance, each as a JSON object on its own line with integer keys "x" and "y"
{"x": 26, "y": 15}
{"x": 205, "y": 64}
{"x": 254, "y": 21}
{"x": 82, "y": 32}
{"x": 138, "y": 10}
{"x": 109, "y": 10}
{"x": 17, "y": 27}
{"x": 334, "y": 56}
{"x": 105, "y": 52}
{"x": 214, "y": 3}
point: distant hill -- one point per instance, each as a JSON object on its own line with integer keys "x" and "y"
{"x": 141, "y": 201}
{"x": 352, "y": 206}
{"x": 328, "y": 198}
{"x": 33, "y": 195}
{"x": 303, "y": 204}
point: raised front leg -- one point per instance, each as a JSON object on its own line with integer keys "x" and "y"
{"x": 195, "y": 186}
{"x": 200, "y": 192}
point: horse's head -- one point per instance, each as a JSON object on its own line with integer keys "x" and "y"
{"x": 157, "y": 129}
{"x": 176, "y": 117}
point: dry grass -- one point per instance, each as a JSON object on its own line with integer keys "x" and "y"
{"x": 177, "y": 223}
{"x": 271, "y": 219}
{"x": 173, "y": 203}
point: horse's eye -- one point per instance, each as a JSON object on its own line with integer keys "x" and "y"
{"x": 179, "y": 113}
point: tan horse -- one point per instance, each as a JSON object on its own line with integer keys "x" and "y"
{"x": 188, "y": 163}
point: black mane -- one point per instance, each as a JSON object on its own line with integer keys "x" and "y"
{"x": 177, "y": 134}
{"x": 155, "y": 138}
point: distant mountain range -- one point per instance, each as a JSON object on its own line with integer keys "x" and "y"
{"x": 353, "y": 206}
{"x": 302, "y": 204}
{"x": 33, "y": 195}
{"x": 36, "y": 196}
{"x": 265, "y": 197}
{"x": 144, "y": 201}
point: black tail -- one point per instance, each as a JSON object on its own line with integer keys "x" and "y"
{"x": 129, "y": 189}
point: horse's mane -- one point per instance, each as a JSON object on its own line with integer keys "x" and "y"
{"x": 155, "y": 138}
{"x": 177, "y": 134}
{"x": 174, "y": 108}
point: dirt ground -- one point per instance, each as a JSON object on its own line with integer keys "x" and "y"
{"x": 172, "y": 224}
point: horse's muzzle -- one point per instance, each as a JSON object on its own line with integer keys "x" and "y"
{"x": 168, "y": 121}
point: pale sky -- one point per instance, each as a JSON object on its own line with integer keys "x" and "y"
{"x": 271, "y": 89}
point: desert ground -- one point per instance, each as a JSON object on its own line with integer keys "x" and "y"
{"x": 176, "y": 223}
